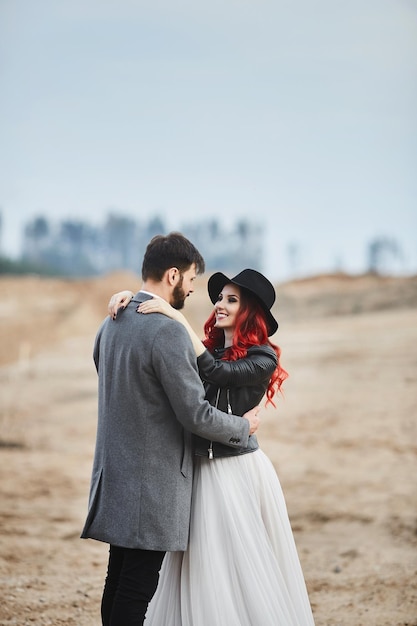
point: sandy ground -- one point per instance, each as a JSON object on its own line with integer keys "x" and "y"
{"x": 343, "y": 441}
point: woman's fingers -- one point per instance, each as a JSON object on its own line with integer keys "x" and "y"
{"x": 145, "y": 307}
{"x": 118, "y": 300}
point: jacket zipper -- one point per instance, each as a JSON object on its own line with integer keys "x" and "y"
{"x": 229, "y": 410}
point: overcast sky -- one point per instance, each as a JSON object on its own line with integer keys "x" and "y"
{"x": 297, "y": 113}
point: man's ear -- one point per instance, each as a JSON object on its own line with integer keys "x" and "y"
{"x": 173, "y": 275}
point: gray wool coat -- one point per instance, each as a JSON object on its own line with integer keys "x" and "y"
{"x": 150, "y": 400}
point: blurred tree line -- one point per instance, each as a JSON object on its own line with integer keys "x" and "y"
{"x": 75, "y": 248}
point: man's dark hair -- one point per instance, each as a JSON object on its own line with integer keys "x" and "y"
{"x": 173, "y": 250}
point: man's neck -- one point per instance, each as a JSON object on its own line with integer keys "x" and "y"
{"x": 155, "y": 289}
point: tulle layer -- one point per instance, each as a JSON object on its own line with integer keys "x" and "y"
{"x": 242, "y": 566}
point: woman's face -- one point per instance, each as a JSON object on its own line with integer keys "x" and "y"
{"x": 227, "y": 307}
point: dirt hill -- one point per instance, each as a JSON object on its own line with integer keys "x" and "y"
{"x": 343, "y": 440}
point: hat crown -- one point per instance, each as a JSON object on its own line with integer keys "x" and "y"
{"x": 257, "y": 284}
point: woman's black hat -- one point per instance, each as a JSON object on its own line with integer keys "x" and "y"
{"x": 253, "y": 281}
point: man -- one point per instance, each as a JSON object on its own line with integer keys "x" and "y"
{"x": 150, "y": 400}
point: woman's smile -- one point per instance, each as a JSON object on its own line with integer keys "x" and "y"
{"x": 227, "y": 307}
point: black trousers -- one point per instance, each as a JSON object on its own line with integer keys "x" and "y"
{"x": 131, "y": 581}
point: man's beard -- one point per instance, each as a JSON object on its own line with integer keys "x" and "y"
{"x": 178, "y": 296}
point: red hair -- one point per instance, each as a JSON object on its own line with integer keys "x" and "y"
{"x": 250, "y": 330}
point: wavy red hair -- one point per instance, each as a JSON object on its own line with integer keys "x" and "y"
{"x": 250, "y": 330}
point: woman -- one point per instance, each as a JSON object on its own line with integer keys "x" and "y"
{"x": 241, "y": 567}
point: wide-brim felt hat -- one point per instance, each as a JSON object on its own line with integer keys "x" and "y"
{"x": 253, "y": 281}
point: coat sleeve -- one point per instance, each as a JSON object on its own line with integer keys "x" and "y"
{"x": 258, "y": 365}
{"x": 175, "y": 364}
{"x": 96, "y": 348}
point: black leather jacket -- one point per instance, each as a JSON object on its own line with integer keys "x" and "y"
{"x": 242, "y": 382}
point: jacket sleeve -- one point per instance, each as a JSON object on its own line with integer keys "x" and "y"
{"x": 258, "y": 365}
{"x": 175, "y": 364}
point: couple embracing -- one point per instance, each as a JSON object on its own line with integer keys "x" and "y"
{"x": 191, "y": 507}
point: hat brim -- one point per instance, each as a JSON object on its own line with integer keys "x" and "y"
{"x": 217, "y": 281}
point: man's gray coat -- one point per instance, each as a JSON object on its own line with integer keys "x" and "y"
{"x": 150, "y": 398}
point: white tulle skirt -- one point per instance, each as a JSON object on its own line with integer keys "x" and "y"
{"x": 242, "y": 566}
